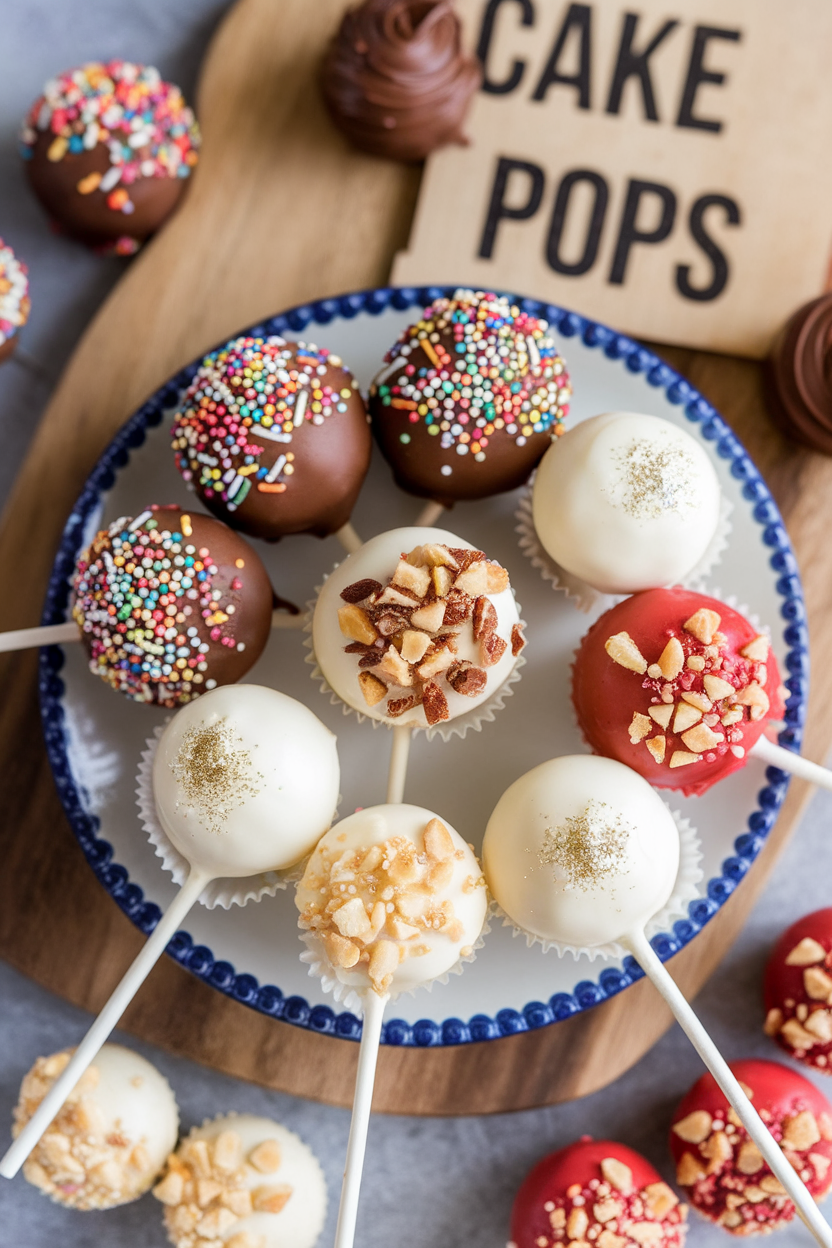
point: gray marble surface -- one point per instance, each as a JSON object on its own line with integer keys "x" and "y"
{"x": 441, "y": 1183}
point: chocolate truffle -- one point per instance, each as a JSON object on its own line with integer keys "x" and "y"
{"x": 677, "y": 685}
{"x": 395, "y": 79}
{"x": 110, "y": 1139}
{"x": 108, "y": 148}
{"x": 798, "y": 375}
{"x": 721, "y": 1168}
{"x": 273, "y": 437}
{"x": 574, "y": 1195}
{"x": 171, "y": 604}
{"x": 469, "y": 398}
{"x": 797, "y": 990}
{"x": 14, "y": 299}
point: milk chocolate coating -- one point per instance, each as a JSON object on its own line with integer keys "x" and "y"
{"x": 7, "y": 348}
{"x": 395, "y": 79}
{"x": 798, "y": 374}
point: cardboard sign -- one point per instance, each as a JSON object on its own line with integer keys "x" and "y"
{"x": 666, "y": 168}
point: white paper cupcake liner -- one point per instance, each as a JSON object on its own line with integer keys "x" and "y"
{"x": 585, "y": 597}
{"x": 226, "y": 891}
{"x": 685, "y": 890}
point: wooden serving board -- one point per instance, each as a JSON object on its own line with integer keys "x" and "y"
{"x": 280, "y": 211}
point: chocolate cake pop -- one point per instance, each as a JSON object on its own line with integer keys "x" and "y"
{"x": 244, "y": 1181}
{"x": 396, "y": 80}
{"x": 14, "y": 299}
{"x": 416, "y": 628}
{"x": 469, "y": 398}
{"x": 110, "y": 1140}
{"x": 273, "y": 437}
{"x": 797, "y": 991}
{"x": 171, "y": 604}
{"x": 107, "y": 148}
{"x": 572, "y": 1196}
{"x": 721, "y": 1169}
{"x": 798, "y": 376}
{"x": 626, "y": 502}
{"x": 678, "y": 685}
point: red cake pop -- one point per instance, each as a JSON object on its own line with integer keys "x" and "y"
{"x": 598, "y": 1191}
{"x": 797, "y": 990}
{"x": 721, "y": 1169}
{"x": 677, "y": 685}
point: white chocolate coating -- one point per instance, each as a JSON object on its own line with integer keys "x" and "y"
{"x": 626, "y": 502}
{"x": 413, "y": 896}
{"x": 580, "y": 851}
{"x": 377, "y": 560}
{"x": 288, "y": 1173}
{"x": 112, "y": 1137}
{"x": 245, "y": 780}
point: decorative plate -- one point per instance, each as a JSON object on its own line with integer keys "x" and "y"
{"x": 95, "y": 738}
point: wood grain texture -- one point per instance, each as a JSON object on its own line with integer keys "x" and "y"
{"x": 278, "y": 213}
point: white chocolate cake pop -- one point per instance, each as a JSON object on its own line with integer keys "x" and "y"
{"x": 245, "y": 780}
{"x": 110, "y": 1140}
{"x": 626, "y": 502}
{"x": 245, "y": 1182}
{"x": 417, "y": 627}
{"x": 580, "y": 851}
{"x": 391, "y": 899}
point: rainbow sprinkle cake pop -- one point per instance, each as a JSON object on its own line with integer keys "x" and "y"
{"x": 14, "y": 299}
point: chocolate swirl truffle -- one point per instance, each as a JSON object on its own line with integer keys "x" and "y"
{"x": 107, "y": 149}
{"x": 798, "y": 374}
{"x": 395, "y": 79}
{"x": 273, "y": 437}
{"x": 469, "y": 398}
{"x": 14, "y": 299}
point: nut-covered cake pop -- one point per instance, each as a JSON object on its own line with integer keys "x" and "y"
{"x": 722, "y": 1170}
{"x": 273, "y": 437}
{"x": 14, "y": 299}
{"x": 392, "y": 898}
{"x": 598, "y": 1192}
{"x": 110, "y": 1140}
{"x": 469, "y": 398}
{"x": 677, "y": 685}
{"x": 170, "y": 604}
{"x": 797, "y": 990}
{"x": 417, "y": 627}
{"x": 396, "y": 80}
{"x": 626, "y": 502}
{"x": 243, "y": 1181}
{"x": 580, "y": 851}
{"x": 107, "y": 148}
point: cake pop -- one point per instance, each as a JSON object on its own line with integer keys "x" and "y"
{"x": 14, "y": 299}
{"x": 724, "y": 1175}
{"x": 798, "y": 378}
{"x": 246, "y": 781}
{"x": 107, "y": 149}
{"x": 587, "y": 1186}
{"x": 273, "y": 437}
{"x": 626, "y": 502}
{"x": 416, "y": 628}
{"x": 580, "y": 851}
{"x": 797, "y": 990}
{"x": 244, "y": 1181}
{"x": 469, "y": 398}
{"x": 110, "y": 1140}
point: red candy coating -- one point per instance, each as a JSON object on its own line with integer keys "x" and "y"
{"x": 797, "y": 990}
{"x": 596, "y": 1185}
{"x": 676, "y": 685}
{"x": 721, "y": 1169}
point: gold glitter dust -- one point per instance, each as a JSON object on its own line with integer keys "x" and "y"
{"x": 215, "y": 775}
{"x": 653, "y": 480}
{"x": 587, "y": 848}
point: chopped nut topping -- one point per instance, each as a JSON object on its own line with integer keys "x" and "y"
{"x": 796, "y": 1036}
{"x": 484, "y": 617}
{"x": 771, "y": 1185}
{"x": 818, "y": 983}
{"x": 686, "y": 717}
{"x": 659, "y": 1199}
{"x": 701, "y": 738}
{"x": 430, "y": 617}
{"x": 717, "y": 1149}
{"x": 819, "y": 1023}
{"x": 672, "y": 659}
{"x": 717, "y": 688}
{"x": 703, "y": 624}
{"x": 607, "y": 1209}
{"x": 414, "y": 645}
{"x": 657, "y": 747}
{"x": 270, "y": 1199}
{"x": 372, "y": 688}
{"x": 466, "y": 679}
{"x": 806, "y": 953}
{"x": 617, "y": 1174}
{"x": 355, "y": 623}
{"x": 680, "y": 758}
{"x": 265, "y": 1157}
{"x": 661, "y": 714}
{"x": 695, "y": 662}
{"x": 492, "y": 649}
{"x": 639, "y": 727}
{"x": 800, "y": 1132}
{"x": 689, "y": 1170}
{"x": 518, "y": 641}
{"x": 695, "y": 1127}
{"x": 773, "y": 1023}
{"x": 435, "y": 704}
{"x": 755, "y": 698}
{"x": 698, "y": 700}
{"x": 757, "y": 650}
{"x": 577, "y": 1223}
{"x": 749, "y": 1159}
{"x": 360, "y": 591}
{"x": 623, "y": 650}
{"x": 409, "y": 577}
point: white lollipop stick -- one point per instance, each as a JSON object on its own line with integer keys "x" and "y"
{"x": 45, "y": 635}
{"x": 795, "y": 764}
{"x": 399, "y": 754}
{"x": 430, "y": 513}
{"x": 284, "y": 619}
{"x": 374, "y": 1007}
{"x": 638, "y": 944}
{"x": 349, "y": 539}
{"x": 100, "y": 1030}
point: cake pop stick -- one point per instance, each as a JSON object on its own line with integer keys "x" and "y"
{"x": 581, "y": 851}
{"x": 399, "y": 754}
{"x": 391, "y": 899}
{"x": 245, "y": 781}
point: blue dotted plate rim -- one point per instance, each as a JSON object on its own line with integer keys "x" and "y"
{"x": 269, "y": 999}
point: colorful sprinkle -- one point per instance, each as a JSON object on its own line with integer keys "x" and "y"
{"x": 14, "y": 293}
